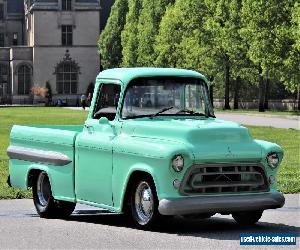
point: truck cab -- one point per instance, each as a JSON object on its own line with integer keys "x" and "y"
{"x": 169, "y": 157}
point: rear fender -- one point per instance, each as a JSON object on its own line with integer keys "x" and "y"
{"x": 61, "y": 180}
{"x": 62, "y": 184}
{"x": 33, "y": 171}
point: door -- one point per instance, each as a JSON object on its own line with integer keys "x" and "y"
{"x": 93, "y": 164}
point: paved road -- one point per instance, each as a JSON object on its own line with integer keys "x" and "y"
{"x": 20, "y": 227}
{"x": 276, "y": 121}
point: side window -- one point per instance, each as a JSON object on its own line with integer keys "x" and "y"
{"x": 107, "y": 101}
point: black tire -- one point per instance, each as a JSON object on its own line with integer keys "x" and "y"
{"x": 144, "y": 204}
{"x": 247, "y": 218}
{"x": 44, "y": 202}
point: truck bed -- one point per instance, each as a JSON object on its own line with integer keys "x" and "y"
{"x": 50, "y": 148}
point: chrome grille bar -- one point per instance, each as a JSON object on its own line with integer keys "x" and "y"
{"x": 224, "y": 178}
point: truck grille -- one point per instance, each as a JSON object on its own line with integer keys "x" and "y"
{"x": 224, "y": 178}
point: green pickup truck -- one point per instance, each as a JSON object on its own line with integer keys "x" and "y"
{"x": 168, "y": 156}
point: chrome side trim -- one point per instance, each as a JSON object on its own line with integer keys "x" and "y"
{"x": 37, "y": 155}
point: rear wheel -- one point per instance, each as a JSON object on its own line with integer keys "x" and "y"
{"x": 144, "y": 204}
{"x": 44, "y": 202}
{"x": 247, "y": 218}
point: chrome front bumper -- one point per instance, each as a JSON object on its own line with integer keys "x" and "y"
{"x": 221, "y": 204}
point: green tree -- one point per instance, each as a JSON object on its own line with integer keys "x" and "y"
{"x": 264, "y": 32}
{"x": 130, "y": 34}
{"x": 291, "y": 68}
{"x": 148, "y": 26}
{"x": 109, "y": 43}
{"x": 168, "y": 38}
{"x": 203, "y": 35}
{"x": 225, "y": 46}
{"x": 179, "y": 41}
{"x": 296, "y": 25}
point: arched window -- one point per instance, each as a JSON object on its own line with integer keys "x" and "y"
{"x": 24, "y": 80}
{"x": 3, "y": 79}
{"x": 67, "y": 77}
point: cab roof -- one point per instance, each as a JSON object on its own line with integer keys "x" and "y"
{"x": 127, "y": 74}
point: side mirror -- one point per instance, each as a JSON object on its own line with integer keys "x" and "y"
{"x": 103, "y": 121}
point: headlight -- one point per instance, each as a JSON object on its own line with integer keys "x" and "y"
{"x": 177, "y": 163}
{"x": 273, "y": 160}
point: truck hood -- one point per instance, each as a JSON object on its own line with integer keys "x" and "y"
{"x": 209, "y": 139}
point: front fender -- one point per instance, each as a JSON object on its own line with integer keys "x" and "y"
{"x": 135, "y": 168}
{"x": 159, "y": 168}
{"x": 269, "y": 147}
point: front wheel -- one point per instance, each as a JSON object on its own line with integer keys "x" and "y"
{"x": 247, "y": 218}
{"x": 144, "y": 204}
{"x": 44, "y": 202}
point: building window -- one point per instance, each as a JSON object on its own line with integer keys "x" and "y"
{"x": 67, "y": 78}
{"x": 67, "y": 35}
{"x": 1, "y": 40}
{"x": 66, "y": 5}
{"x": 15, "y": 39}
{"x": 1, "y": 11}
{"x": 3, "y": 79}
{"x": 24, "y": 80}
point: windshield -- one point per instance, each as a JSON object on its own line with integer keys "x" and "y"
{"x": 166, "y": 96}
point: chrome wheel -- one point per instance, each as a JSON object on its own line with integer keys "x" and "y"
{"x": 144, "y": 203}
{"x": 43, "y": 189}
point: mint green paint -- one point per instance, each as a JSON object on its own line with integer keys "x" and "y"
{"x": 94, "y": 164}
{"x": 57, "y": 140}
{"x": 268, "y": 147}
{"x": 125, "y": 75}
{"x": 104, "y": 157}
{"x": 74, "y": 128}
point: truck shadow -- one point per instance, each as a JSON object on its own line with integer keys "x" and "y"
{"x": 213, "y": 228}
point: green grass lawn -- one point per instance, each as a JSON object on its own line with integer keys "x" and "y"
{"x": 289, "y": 175}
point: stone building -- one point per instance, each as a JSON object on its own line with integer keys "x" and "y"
{"x": 48, "y": 41}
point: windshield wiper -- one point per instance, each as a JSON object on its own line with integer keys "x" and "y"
{"x": 161, "y": 111}
{"x": 191, "y": 112}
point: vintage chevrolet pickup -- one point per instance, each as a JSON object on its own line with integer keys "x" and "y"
{"x": 170, "y": 157}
